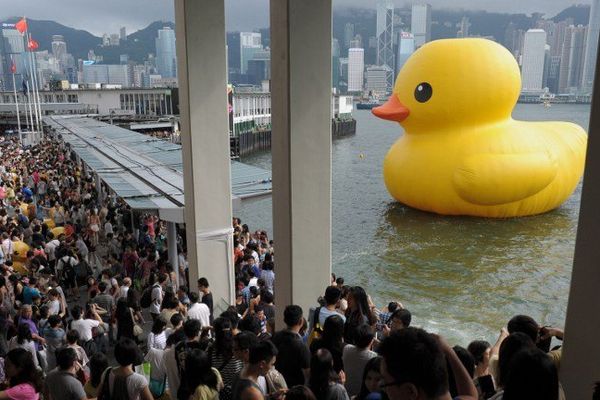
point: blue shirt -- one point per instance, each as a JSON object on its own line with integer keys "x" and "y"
{"x": 29, "y": 293}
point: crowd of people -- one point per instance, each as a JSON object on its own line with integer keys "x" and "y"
{"x": 90, "y": 307}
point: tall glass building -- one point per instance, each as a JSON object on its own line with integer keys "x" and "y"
{"x": 166, "y": 58}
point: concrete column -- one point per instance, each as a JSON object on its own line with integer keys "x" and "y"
{"x": 301, "y": 147}
{"x": 172, "y": 243}
{"x": 200, "y": 30}
{"x": 580, "y": 367}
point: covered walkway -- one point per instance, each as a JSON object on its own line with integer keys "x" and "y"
{"x": 146, "y": 172}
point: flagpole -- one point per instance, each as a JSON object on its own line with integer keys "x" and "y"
{"x": 31, "y": 77}
{"x": 28, "y": 94}
{"x": 17, "y": 105}
{"x": 33, "y": 89}
{"x": 37, "y": 96}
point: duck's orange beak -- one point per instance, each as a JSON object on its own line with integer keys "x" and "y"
{"x": 392, "y": 110}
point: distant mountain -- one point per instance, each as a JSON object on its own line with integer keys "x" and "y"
{"x": 78, "y": 41}
{"x": 444, "y": 24}
{"x": 579, "y": 12}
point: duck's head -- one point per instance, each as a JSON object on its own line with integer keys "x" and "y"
{"x": 452, "y": 83}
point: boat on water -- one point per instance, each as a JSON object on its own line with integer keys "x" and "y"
{"x": 367, "y": 105}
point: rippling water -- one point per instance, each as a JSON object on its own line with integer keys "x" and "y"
{"x": 463, "y": 277}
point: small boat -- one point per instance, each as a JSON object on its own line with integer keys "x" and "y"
{"x": 367, "y": 105}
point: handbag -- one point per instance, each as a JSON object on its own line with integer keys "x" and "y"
{"x": 137, "y": 329}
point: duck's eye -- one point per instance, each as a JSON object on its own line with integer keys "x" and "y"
{"x": 423, "y": 92}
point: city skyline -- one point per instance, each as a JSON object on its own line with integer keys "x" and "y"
{"x": 241, "y": 15}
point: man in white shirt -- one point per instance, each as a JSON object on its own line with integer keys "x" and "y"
{"x": 7, "y": 246}
{"x": 124, "y": 288}
{"x": 84, "y": 326}
{"x": 51, "y": 247}
{"x": 157, "y": 296}
{"x": 199, "y": 311}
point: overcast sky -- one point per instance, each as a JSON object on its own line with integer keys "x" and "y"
{"x": 108, "y": 15}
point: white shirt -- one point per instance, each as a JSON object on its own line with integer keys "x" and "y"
{"x": 50, "y": 247}
{"x": 7, "y": 247}
{"x": 28, "y": 345}
{"x": 201, "y": 312}
{"x": 157, "y": 297}
{"x": 54, "y": 307}
{"x": 84, "y": 327}
{"x": 157, "y": 341}
{"x": 123, "y": 292}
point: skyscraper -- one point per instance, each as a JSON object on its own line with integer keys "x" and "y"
{"x": 385, "y": 39}
{"x": 166, "y": 58}
{"x": 591, "y": 48}
{"x": 534, "y": 51}
{"x": 250, "y": 43}
{"x": 463, "y": 28}
{"x": 59, "y": 46}
{"x": 348, "y": 33}
{"x": 406, "y": 46}
{"x": 12, "y": 48}
{"x": 420, "y": 23}
{"x": 356, "y": 67}
{"x": 123, "y": 33}
{"x": 577, "y": 57}
{"x": 335, "y": 62}
{"x": 233, "y": 52}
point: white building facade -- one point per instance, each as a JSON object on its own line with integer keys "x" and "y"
{"x": 356, "y": 67}
{"x": 532, "y": 69}
{"x": 420, "y": 23}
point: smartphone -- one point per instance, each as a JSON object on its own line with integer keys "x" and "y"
{"x": 486, "y": 384}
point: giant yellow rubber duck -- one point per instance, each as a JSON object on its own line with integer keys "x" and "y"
{"x": 462, "y": 153}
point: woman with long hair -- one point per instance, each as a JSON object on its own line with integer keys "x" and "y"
{"x": 358, "y": 313}
{"x": 24, "y": 340}
{"x": 98, "y": 364}
{"x": 125, "y": 320}
{"x": 332, "y": 339}
{"x": 371, "y": 379}
{"x": 24, "y": 379}
{"x": 324, "y": 381}
{"x": 202, "y": 381}
{"x": 222, "y": 358}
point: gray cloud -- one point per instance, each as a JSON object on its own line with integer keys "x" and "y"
{"x": 109, "y": 15}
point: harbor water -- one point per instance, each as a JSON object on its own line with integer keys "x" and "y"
{"x": 462, "y": 277}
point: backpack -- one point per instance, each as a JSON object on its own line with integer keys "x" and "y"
{"x": 317, "y": 330}
{"x": 146, "y": 299}
{"x": 119, "y": 389}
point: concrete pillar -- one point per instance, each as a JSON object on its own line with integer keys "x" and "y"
{"x": 200, "y": 30}
{"x": 580, "y": 367}
{"x": 172, "y": 243}
{"x": 301, "y": 148}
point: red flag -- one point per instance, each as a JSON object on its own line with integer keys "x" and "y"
{"x": 21, "y": 25}
{"x": 32, "y": 44}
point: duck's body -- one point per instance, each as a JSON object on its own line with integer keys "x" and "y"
{"x": 510, "y": 169}
{"x": 474, "y": 160}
